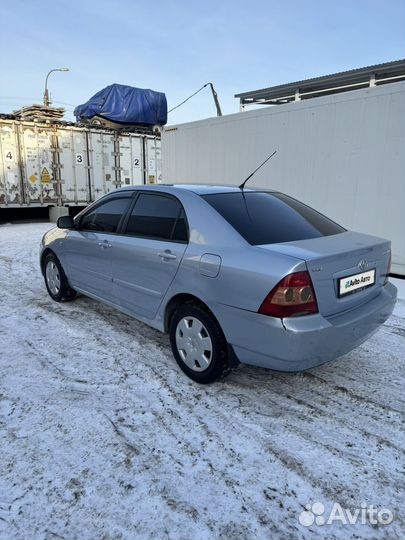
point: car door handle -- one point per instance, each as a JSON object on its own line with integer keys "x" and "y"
{"x": 105, "y": 244}
{"x": 167, "y": 255}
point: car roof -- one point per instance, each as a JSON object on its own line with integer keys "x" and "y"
{"x": 199, "y": 189}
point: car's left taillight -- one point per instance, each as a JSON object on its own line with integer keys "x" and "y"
{"x": 293, "y": 295}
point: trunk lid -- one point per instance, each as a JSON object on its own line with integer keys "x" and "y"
{"x": 331, "y": 258}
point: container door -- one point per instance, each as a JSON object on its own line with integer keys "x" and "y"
{"x": 74, "y": 166}
{"x": 38, "y": 175}
{"x": 153, "y": 160}
{"x": 138, "y": 160}
{"x": 131, "y": 160}
{"x": 102, "y": 163}
{"x": 10, "y": 177}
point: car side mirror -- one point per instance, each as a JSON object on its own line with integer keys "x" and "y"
{"x": 65, "y": 222}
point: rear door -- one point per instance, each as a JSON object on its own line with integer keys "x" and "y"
{"x": 88, "y": 250}
{"x": 148, "y": 252}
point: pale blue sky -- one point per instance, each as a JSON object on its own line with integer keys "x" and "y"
{"x": 176, "y": 46}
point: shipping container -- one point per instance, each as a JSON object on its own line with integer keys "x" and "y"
{"x": 343, "y": 154}
{"x": 48, "y": 165}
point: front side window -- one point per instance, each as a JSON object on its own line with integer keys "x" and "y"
{"x": 106, "y": 216}
{"x": 271, "y": 218}
{"x": 158, "y": 217}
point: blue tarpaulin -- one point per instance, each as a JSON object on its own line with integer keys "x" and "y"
{"x": 126, "y": 105}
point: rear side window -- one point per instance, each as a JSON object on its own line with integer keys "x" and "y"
{"x": 158, "y": 217}
{"x": 270, "y": 218}
{"x": 106, "y": 216}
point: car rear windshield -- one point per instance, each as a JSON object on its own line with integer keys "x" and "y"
{"x": 270, "y": 218}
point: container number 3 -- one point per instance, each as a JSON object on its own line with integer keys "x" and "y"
{"x": 79, "y": 159}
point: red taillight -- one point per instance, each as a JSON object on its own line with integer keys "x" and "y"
{"x": 294, "y": 295}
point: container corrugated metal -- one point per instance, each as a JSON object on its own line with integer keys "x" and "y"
{"x": 342, "y": 154}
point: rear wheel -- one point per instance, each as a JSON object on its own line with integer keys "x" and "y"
{"x": 198, "y": 343}
{"x": 56, "y": 281}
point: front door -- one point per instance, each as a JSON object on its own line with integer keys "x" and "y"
{"x": 88, "y": 250}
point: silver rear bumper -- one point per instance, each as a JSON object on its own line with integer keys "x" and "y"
{"x": 299, "y": 343}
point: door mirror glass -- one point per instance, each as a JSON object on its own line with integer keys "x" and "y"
{"x": 65, "y": 222}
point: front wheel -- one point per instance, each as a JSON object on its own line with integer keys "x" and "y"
{"x": 198, "y": 344}
{"x": 56, "y": 281}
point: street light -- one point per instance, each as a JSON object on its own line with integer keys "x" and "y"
{"x": 46, "y": 94}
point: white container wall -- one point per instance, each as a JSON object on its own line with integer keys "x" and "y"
{"x": 342, "y": 154}
{"x": 74, "y": 166}
{"x": 101, "y": 147}
{"x": 36, "y": 153}
{"x": 131, "y": 160}
{"x": 10, "y": 174}
{"x": 68, "y": 165}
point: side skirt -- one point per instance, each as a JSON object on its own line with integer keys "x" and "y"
{"x": 154, "y": 324}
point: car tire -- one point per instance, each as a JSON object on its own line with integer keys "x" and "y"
{"x": 198, "y": 344}
{"x": 56, "y": 281}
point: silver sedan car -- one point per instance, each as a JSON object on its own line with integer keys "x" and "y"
{"x": 234, "y": 275}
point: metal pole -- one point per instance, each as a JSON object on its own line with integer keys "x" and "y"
{"x": 46, "y": 93}
{"x": 216, "y": 100}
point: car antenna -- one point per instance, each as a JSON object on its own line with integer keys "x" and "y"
{"x": 261, "y": 165}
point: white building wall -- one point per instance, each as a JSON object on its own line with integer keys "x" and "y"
{"x": 341, "y": 154}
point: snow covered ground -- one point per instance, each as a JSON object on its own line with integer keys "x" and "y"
{"x": 101, "y": 435}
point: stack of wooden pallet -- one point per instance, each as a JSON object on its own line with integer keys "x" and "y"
{"x": 40, "y": 112}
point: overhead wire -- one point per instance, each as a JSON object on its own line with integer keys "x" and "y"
{"x": 189, "y": 97}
